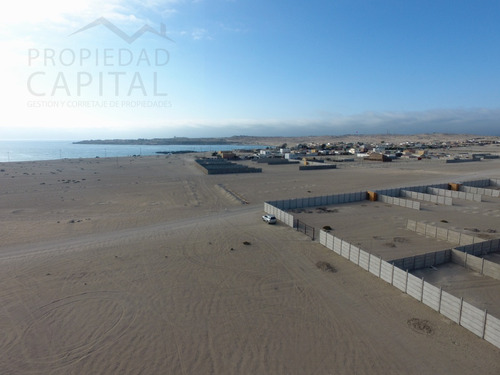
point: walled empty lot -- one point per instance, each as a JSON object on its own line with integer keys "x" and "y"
{"x": 478, "y": 290}
{"x": 376, "y": 227}
{"x": 380, "y": 229}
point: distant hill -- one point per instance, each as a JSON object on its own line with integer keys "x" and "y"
{"x": 276, "y": 141}
{"x": 161, "y": 141}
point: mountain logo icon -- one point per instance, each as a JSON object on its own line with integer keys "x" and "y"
{"x": 120, "y": 33}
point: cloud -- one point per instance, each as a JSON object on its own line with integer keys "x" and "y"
{"x": 89, "y": 124}
{"x": 28, "y": 15}
{"x": 201, "y": 33}
{"x": 482, "y": 121}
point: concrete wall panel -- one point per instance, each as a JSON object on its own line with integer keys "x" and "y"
{"x": 329, "y": 241}
{"x": 421, "y": 228}
{"x": 494, "y": 182}
{"x": 418, "y": 262}
{"x": 399, "y": 280}
{"x": 411, "y": 225}
{"x": 492, "y": 330}
{"x": 337, "y": 245}
{"x": 485, "y": 247}
{"x": 374, "y": 266}
{"x": 491, "y": 269}
{"x": 430, "y": 260}
{"x": 322, "y": 237}
{"x": 354, "y": 257}
{"x": 472, "y": 318}
{"x": 346, "y": 247}
{"x": 477, "y": 247}
{"x": 450, "y": 306}
{"x": 431, "y": 231}
{"x": 466, "y": 239}
{"x": 329, "y": 200}
{"x": 458, "y": 257}
{"x": 363, "y": 259}
{"x": 454, "y": 237}
{"x": 386, "y": 272}
{"x": 442, "y": 234}
{"x": 414, "y": 287}
{"x": 431, "y": 296}
{"x": 495, "y": 245}
{"x": 443, "y": 257}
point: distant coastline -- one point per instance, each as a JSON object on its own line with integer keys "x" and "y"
{"x": 165, "y": 141}
{"x": 14, "y": 151}
{"x": 280, "y": 140}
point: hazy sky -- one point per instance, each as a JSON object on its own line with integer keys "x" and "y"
{"x": 77, "y": 69}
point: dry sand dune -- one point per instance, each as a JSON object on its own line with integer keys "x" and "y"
{"x": 145, "y": 266}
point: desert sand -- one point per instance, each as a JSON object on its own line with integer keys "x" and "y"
{"x": 147, "y": 266}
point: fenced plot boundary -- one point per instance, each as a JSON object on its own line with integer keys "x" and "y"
{"x": 451, "y": 236}
{"x": 478, "y": 321}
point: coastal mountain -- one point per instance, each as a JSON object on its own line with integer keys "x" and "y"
{"x": 276, "y": 141}
{"x": 161, "y": 141}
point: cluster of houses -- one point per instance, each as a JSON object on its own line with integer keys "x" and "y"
{"x": 355, "y": 151}
{"x": 377, "y": 152}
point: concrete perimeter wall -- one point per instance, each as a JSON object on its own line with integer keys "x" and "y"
{"x": 469, "y": 196}
{"x": 423, "y": 261}
{"x": 443, "y": 234}
{"x": 311, "y": 167}
{"x": 481, "y": 187}
{"x": 423, "y": 188}
{"x": 395, "y": 192}
{"x": 325, "y": 200}
{"x": 475, "y": 320}
{"x": 280, "y": 214}
{"x": 481, "y": 265}
{"x": 427, "y": 197}
{"x": 477, "y": 183}
{"x": 449, "y": 161}
{"x": 399, "y": 201}
{"x": 481, "y": 248}
{"x": 278, "y": 208}
{"x": 481, "y": 191}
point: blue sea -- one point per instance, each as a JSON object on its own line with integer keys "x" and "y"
{"x": 11, "y": 151}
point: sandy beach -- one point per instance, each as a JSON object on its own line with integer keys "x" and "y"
{"x": 146, "y": 265}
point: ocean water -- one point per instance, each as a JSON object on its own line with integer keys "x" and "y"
{"x": 11, "y": 151}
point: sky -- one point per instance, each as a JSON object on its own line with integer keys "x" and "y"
{"x": 209, "y": 68}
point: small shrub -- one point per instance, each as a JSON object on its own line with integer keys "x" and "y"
{"x": 325, "y": 266}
